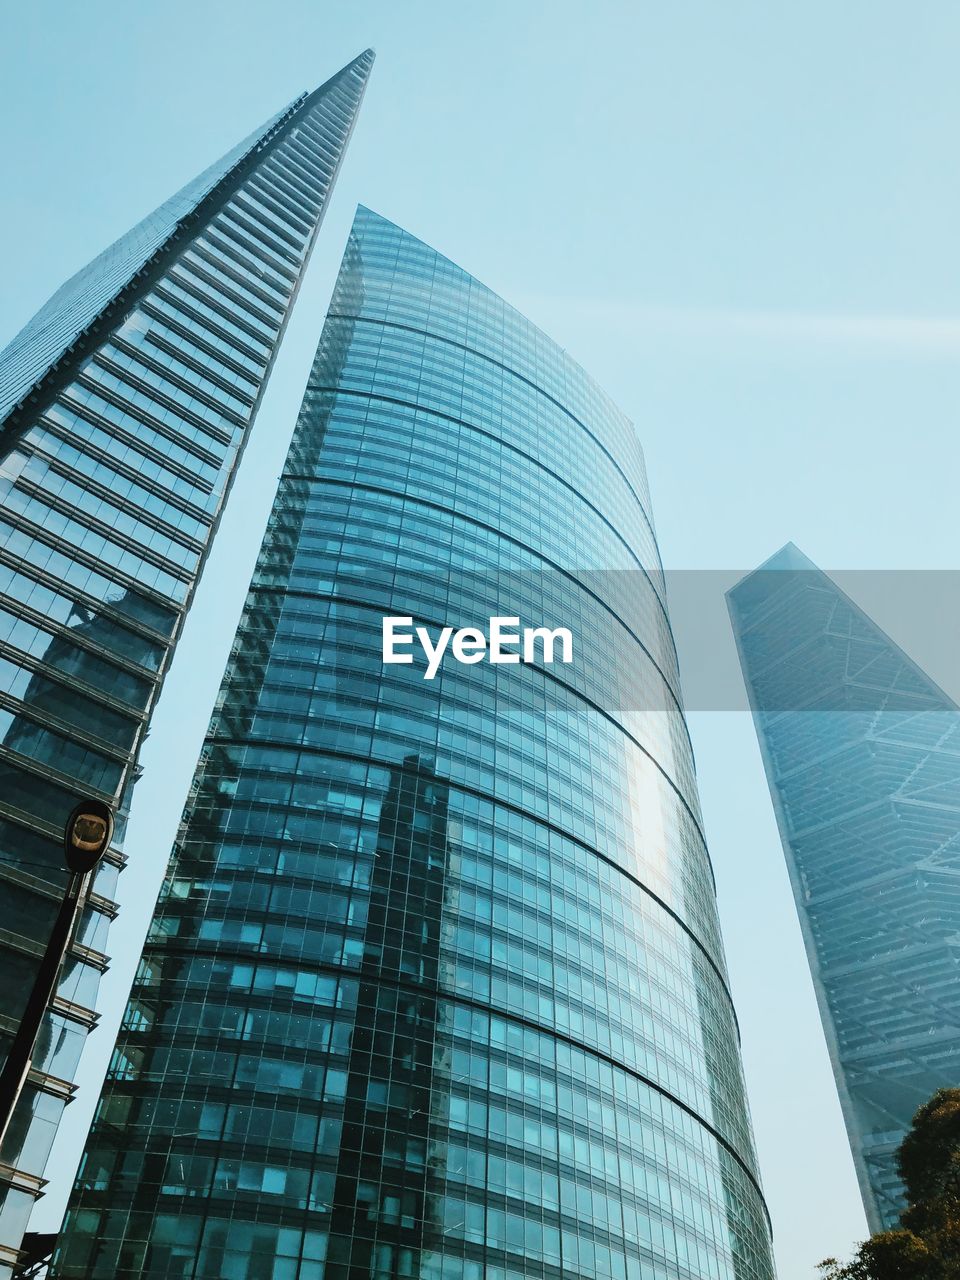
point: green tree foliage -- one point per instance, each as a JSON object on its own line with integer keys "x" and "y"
{"x": 927, "y": 1245}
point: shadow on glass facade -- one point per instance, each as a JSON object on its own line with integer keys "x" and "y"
{"x": 862, "y": 755}
{"x": 435, "y": 986}
{"x": 125, "y": 404}
{"x": 382, "y": 1179}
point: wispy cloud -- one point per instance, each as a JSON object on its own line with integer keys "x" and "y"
{"x": 887, "y": 331}
{"x": 940, "y": 333}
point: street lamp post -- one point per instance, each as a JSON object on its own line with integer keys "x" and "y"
{"x": 86, "y": 837}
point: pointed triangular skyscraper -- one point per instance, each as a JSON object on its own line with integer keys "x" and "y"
{"x": 125, "y": 404}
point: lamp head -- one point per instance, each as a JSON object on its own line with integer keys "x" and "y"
{"x": 87, "y": 835}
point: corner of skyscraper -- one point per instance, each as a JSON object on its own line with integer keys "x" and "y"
{"x": 125, "y": 404}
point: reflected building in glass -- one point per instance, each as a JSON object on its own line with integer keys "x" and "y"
{"x": 435, "y": 986}
{"x": 125, "y": 404}
{"x": 862, "y": 755}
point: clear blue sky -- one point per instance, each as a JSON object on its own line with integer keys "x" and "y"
{"x": 741, "y": 218}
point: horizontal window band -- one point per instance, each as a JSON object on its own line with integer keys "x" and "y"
{"x": 255, "y": 1094}
{"x": 157, "y": 395}
{"x": 129, "y": 507}
{"x": 125, "y": 541}
{"x": 184, "y": 323}
{"x": 89, "y": 450}
{"x": 56, "y": 1086}
{"x": 114, "y": 856}
{"x": 217, "y": 738}
{"x": 80, "y": 1013}
{"x": 89, "y": 955}
{"x": 278, "y": 225}
{"x": 24, "y": 1182}
{"x": 25, "y": 945}
{"x": 25, "y": 710}
{"x": 79, "y": 640}
{"x": 66, "y": 781}
{"x": 106, "y": 906}
{"x": 337, "y": 390}
{"x": 146, "y": 355}
{"x": 123, "y": 579}
{"x": 224, "y": 233}
{"x": 481, "y": 355}
{"x": 245, "y": 219}
{"x": 137, "y": 715}
{"x": 220, "y": 305}
{"x": 274, "y": 178}
{"x": 97, "y": 606}
{"x": 251, "y": 261}
{"x": 282, "y": 206}
{"x": 135, "y": 413}
{"x": 203, "y": 271}
{"x": 183, "y": 910}
{"x": 245, "y": 259}
{"x": 548, "y": 672}
{"x": 234, "y": 274}
{"x": 305, "y": 163}
{"x": 197, "y": 308}
{"x": 256, "y": 210}
{"x": 299, "y": 163}
{"x": 11, "y": 873}
{"x": 436, "y": 993}
{"x": 95, "y": 418}
{"x": 353, "y": 487}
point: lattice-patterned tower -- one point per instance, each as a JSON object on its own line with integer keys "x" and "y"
{"x": 862, "y": 754}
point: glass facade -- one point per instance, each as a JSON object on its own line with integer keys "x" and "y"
{"x": 435, "y": 987}
{"x": 862, "y": 754}
{"x": 126, "y": 403}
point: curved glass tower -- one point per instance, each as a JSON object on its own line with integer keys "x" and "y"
{"x": 435, "y": 987}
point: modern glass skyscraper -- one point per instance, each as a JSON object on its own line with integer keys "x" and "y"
{"x": 124, "y": 406}
{"x": 862, "y": 754}
{"x": 435, "y": 987}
